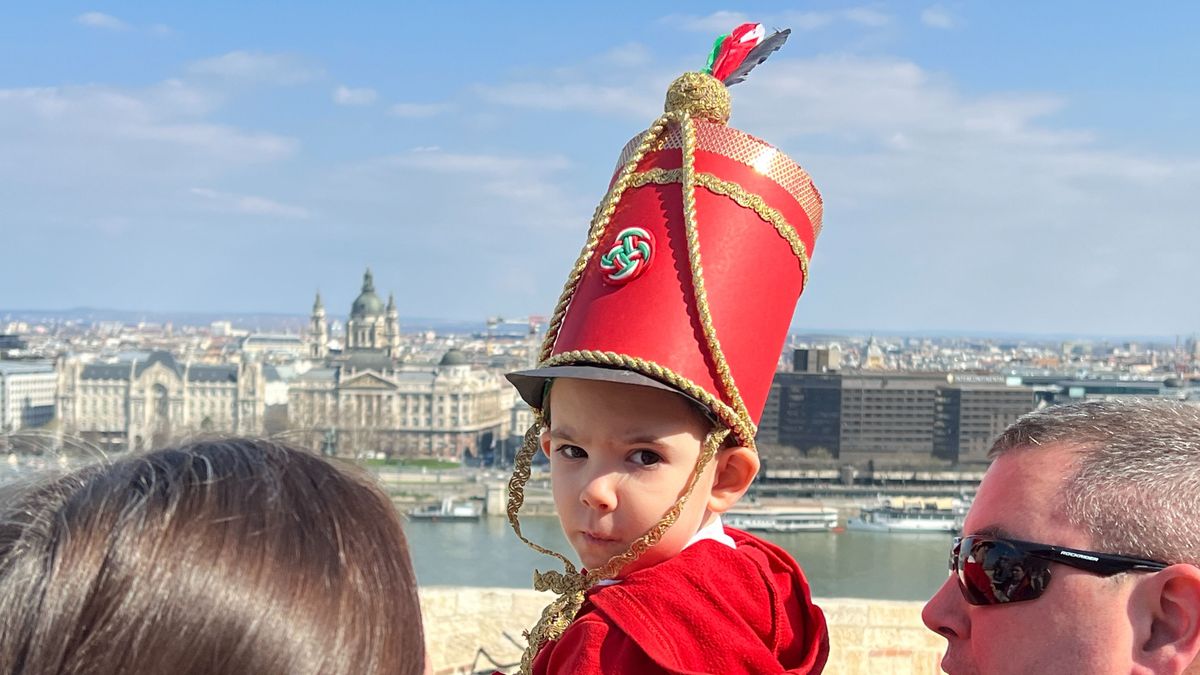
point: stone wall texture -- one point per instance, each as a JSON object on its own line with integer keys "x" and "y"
{"x": 866, "y": 636}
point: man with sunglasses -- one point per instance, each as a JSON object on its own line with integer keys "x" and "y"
{"x": 1081, "y": 547}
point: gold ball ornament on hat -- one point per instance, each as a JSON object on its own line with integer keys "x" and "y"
{"x": 700, "y": 95}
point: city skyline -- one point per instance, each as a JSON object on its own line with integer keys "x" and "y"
{"x": 296, "y": 322}
{"x": 986, "y": 169}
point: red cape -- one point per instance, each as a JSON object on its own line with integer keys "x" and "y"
{"x": 710, "y": 609}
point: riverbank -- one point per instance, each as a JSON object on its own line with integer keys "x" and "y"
{"x": 478, "y": 628}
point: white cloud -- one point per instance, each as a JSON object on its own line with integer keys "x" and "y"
{"x": 464, "y": 218}
{"x": 120, "y": 154}
{"x": 418, "y": 110}
{"x": 869, "y": 100}
{"x": 255, "y": 67}
{"x": 937, "y": 17}
{"x": 170, "y": 113}
{"x": 249, "y": 205}
{"x": 629, "y": 100}
{"x": 988, "y": 208}
{"x": 717, "y": 23}
{"x": 988, "y": 198}
{"x": 630, "y": 55}
{"x": 104, "y": 21}
{"x": 467, "y": 188}
{"x": 945, "y": 207}
{"x": 101, "y": 20}
{"x": 344, "y": 95}
{"x": 434, "y": 159}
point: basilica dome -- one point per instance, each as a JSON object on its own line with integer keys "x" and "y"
{"x": 454, "y": 357}
{"x": 367, "y": 303}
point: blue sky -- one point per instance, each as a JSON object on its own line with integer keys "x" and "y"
{"x": 1017, "y": 167}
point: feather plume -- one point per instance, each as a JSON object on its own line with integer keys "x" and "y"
{"x": 756, "y": 56}
{"x": 734, "y": 49}
{"x": 712, "y": 55}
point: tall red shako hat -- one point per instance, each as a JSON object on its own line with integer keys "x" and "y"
{"x": 687, "y": 281}
{"x": 695, "y": 258}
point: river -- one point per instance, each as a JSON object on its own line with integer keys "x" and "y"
{"x": 838, "y": 564}
{"x": 487, "y": 553}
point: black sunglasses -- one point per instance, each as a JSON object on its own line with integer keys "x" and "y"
{"x": 995, "y": 571}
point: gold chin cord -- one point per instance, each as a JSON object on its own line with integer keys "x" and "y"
{"x": 691, "y": 95}
{"x": 571, "y": 584}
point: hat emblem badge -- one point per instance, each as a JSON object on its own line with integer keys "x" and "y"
{"x": 629, "y": 256}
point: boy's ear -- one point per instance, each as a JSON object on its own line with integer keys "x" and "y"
{"x": 544, "y": 441}
{"x": 736, "y": 468}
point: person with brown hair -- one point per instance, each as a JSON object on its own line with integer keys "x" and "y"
{"x": 231, "y": 556}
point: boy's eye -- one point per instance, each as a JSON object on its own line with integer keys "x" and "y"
{"x": 645, "y": 457}
{"x": 572, "y": 452}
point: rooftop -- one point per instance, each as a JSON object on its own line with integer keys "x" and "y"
{"x": 25, "y": 367}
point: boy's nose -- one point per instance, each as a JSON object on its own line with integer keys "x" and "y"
{"x": 600, "y": 493}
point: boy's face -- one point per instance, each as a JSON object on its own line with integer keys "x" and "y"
{"x": 620, "y": 455}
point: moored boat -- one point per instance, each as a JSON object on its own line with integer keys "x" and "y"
{"x": 448, "y": 510}
{"x": 911, "y": 514}
{"x": 782, "y": 519}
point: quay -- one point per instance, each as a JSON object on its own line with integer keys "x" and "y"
{"x": 470, "y": 630}
{"x": 844, "y": 489}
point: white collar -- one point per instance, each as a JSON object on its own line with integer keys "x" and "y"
{"x": 714, "y": 530}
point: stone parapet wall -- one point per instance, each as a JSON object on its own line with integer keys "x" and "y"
{"x": 880, "y": 636}
{"x": 866, "y": 636}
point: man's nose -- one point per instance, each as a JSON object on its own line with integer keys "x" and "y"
{"x": 945, "y": 613}
{"x": 600, "y": 492}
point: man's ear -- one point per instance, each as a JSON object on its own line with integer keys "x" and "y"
{"x": 544, "y": 441}
{"x": 736, "y": 468}
{"x": 1165, "y": 607}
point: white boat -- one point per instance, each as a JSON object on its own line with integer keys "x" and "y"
{"x": 911, "y": 514}
{"x": 782, "y": 519}
{"x": 448, "y": 510}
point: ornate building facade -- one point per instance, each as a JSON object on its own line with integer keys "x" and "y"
{"x": 367, "y": 400}
{"x": 141, "y": 400}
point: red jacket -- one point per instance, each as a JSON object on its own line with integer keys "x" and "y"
{"x": 710, "y": 609}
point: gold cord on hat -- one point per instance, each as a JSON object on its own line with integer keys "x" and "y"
{"x": 741, "y": 197}
{"x": 693, "y": 244}
{"x": 603, "y": 215}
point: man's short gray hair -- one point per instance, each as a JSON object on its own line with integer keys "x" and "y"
{"x": 1136, "y": 487}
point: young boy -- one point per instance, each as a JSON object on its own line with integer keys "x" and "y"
{"x": 656, "y": 367}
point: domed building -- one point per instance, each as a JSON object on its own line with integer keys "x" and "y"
{"x": 373, "y": 327}
{"x": 366, "y": 400}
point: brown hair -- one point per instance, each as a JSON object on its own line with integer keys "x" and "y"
{"x": 1135, "y": 486}
{"x": 235, "y": 556}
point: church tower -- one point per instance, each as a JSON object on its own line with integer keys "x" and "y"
{"x": 318, "y": 331}
{"x": 393, "y": 327}
{"x": 874, "y": 356}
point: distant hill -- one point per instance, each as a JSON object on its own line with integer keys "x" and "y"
{"x": 252, "y": 321}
